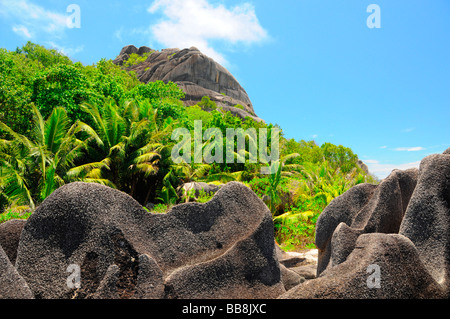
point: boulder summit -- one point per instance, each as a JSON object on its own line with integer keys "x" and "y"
{"x": 195, "y": 73}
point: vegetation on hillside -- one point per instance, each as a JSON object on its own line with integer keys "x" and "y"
{"x": 62, "y": 122}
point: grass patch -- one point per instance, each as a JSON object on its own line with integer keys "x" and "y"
{"x": 161, "y": 208}
{"x": 14, "y": 214}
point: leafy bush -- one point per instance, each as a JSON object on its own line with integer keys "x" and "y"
{"x": 206, "y": 104}
{"x": 14, "y": 214}
{"x": 161, "y": 208}
{"x": 46, "y": 57}
{"x": 202, "y": 197}
{"x": 17, "y": 72}
{"x": 157, "y": 90}
{"x": 63, "y": 86}
{"x": 136, "y": 59}
{"x": 194, "y": 113}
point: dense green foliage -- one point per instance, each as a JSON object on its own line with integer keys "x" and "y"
{"x": 135, "y": 59}
{"x": 62, "y": 122}
{"x": 206, "y": 104}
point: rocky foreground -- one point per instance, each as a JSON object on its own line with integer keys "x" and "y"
{"x": 90, "y": 241}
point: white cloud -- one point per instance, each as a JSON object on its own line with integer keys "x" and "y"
{"x": 70, "y": 52}
{"x": 409, "y": 149}
{"x": 383, "y": 147}
{"x": 29, "y": 16}
{"x": 118, "y": 34}
{"x": 196, "y": 23}
{"x": 382, "y": 170}
{"x": 315, "y": 136}
{"x": 408, "y": 130}
{"x": 22, "y": 31}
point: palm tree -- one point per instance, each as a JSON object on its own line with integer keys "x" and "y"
{"x": 168, "y": 195}
{"x": 282, "y": 169}
{"x": 322, "y": 181}
{"x": 274, "y": 180}
{"x": 126, "y": 143}
{"x": 32, "y": 167}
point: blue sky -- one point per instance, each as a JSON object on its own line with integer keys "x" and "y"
{"x": 313, "y": 67}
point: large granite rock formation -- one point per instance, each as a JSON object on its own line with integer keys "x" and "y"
{"x": 363, "y": 209}
{"x": 12, "y": 285}
{"x": 400, "y": 227}
{"x": 402, "y": 273}
{"x": 195, "y": 73}
{"x": 222, "y": 249}
{"x": 9, "y": 237}
{"x": 427, "y": 218}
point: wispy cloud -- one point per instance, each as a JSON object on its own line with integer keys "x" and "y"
{"x": 408, "y": 130}
{"x": 382, "y": 170}
{"x": 29, "y": 19}
{"x": 118, "y": 34}
{"x": 383, "y": 147}
{"x": 371, "y": 161}
{"x": 22, "y": 31}
{"x": 198, "y": 23}
{"x": 36, "y": 23}
{"x": 70, "y": 52}
{"x": 409, "y": 149}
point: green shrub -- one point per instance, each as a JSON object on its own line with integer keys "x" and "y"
{"x": 63, "y": 86}
{"x": 16, "y": 79}
{"x": 296, "y": 235}
{"x": 202, "y": 197}
{"x": 206, "y": 104}
{"x": 136, "y": 59}
{"x": 157, "y": 90}
{"x": 47, "y": 57}
{"x": 14, "y": 214}
{"x": 161, "y": 208}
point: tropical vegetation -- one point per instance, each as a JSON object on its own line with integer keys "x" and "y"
{"x": 62, "y": 122}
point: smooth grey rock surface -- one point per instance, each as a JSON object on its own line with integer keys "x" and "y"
{"x": 195, "y": 73}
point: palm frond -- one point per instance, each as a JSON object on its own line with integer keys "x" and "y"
{"x": 288, "y": 157}
{"x": 18, "y": 137}
{"x": 147, "y": 169}
{"x": 147, "y": 158}
{"x": 55, "y": 129}
{"x": 288, "y": 217}
{"x": 85, "y": 169}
